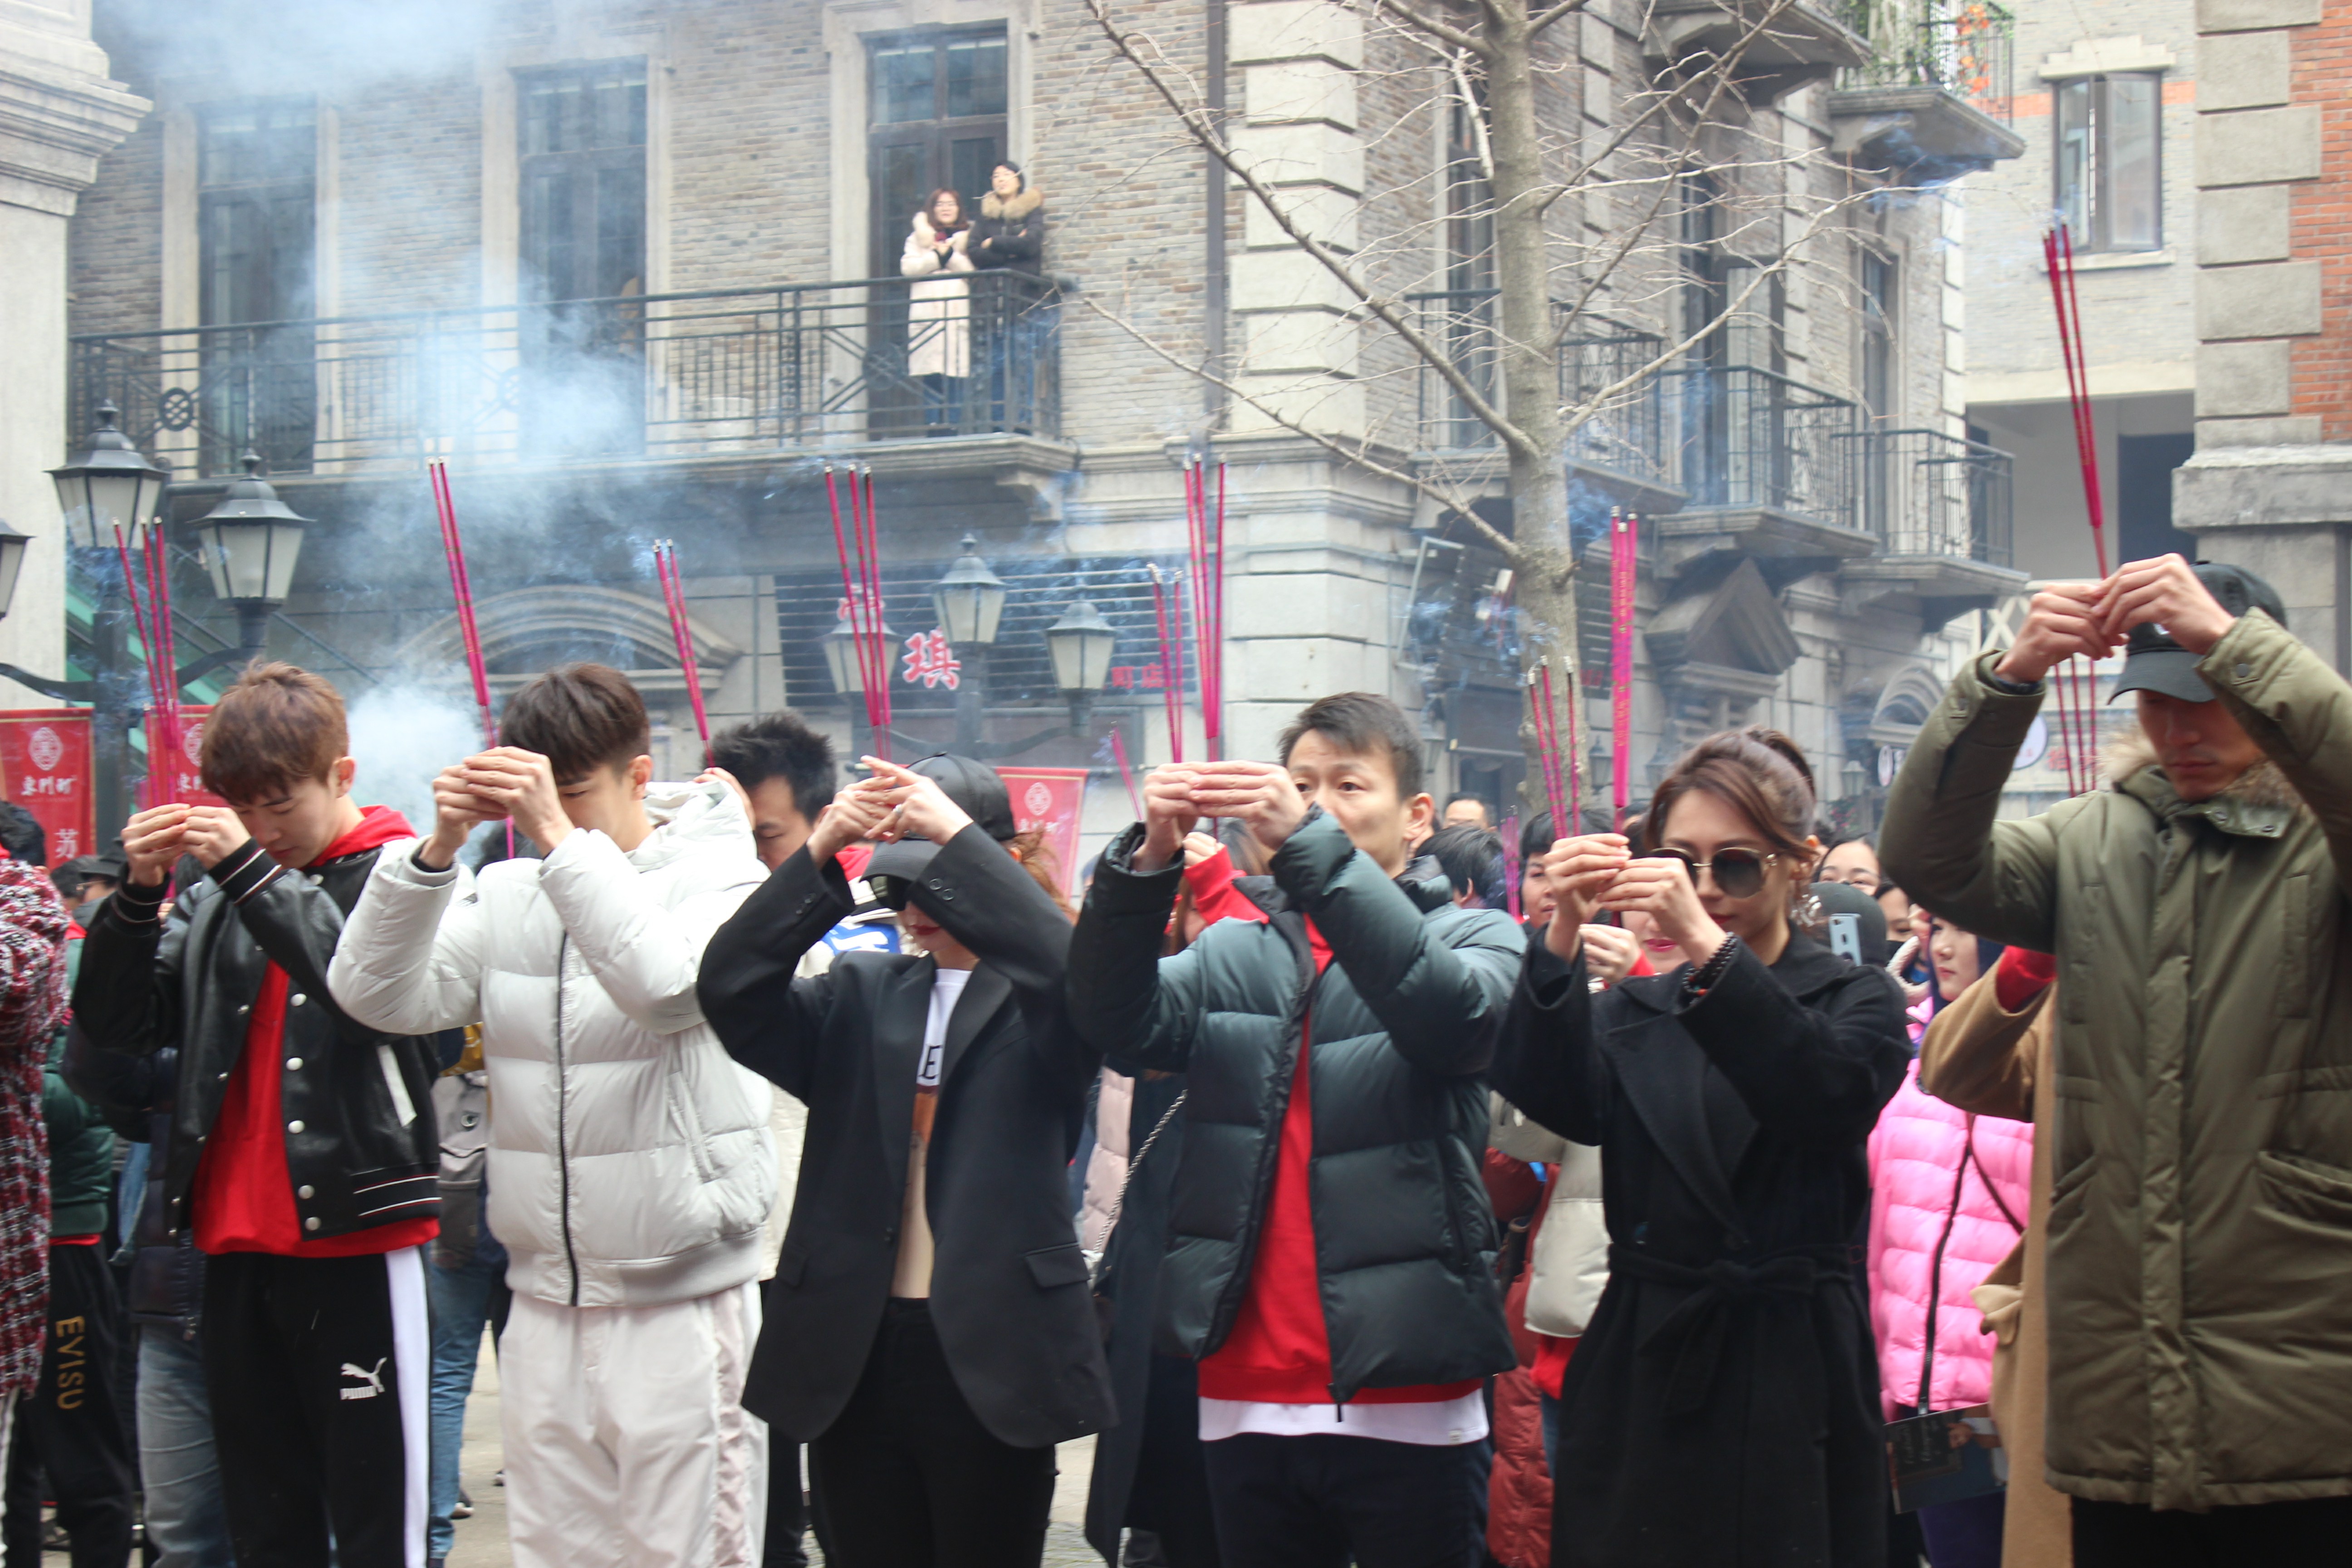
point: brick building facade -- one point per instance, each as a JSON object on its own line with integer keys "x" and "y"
{"x": 607, "y": 260}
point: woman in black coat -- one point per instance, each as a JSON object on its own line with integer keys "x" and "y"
{"x": 1722, "y": 1409}
{"x": 929, "y": 1332}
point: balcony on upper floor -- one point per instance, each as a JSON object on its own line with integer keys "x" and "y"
{"x": 694, "y": 378}
{"x": 1762, "y": 458}
{"x": 1942, "y": 510}
{"x": 1934, "y": 101}
{"x": 1770, "y": 46}
{"x": 1604, "y": 383}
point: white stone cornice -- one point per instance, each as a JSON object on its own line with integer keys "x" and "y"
{"x": 55, "y": 126}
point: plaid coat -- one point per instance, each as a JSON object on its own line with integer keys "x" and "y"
{"x": 32, "y": 1005}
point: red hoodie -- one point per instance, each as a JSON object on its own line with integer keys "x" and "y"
{"x": 1279, "y": 1351}
{"x": 244, "y": 1197}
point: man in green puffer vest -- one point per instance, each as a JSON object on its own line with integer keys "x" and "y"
{"x": 2200, "y": 1221}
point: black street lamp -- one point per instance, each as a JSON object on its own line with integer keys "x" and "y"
{"x": 107, "y": 485}
{"x": 251, "y": 543}
{"x": 1081, "y": 643}
{"x": 841, "y": 660}
{"x": 971, "y": 602}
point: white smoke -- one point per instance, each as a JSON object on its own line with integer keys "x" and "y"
{"x": 401, "y": 737}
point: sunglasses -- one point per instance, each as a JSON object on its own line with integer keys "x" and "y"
{"x": 1738, "y": 873}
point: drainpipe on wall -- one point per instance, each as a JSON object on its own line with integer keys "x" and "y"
{"x": 1214, "y": 260}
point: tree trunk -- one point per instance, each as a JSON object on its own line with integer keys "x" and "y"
{"x": 1543, "y": 564}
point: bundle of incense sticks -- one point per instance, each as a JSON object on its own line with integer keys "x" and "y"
{"x": 163, "y": 686}
{"x": 1167, "y": 606}
{"x": 461, "y": 587}
{"x": 1206, "y": 542}
{"x": 2074, "y": 684}
{"x": 1547, "y": 750}
{"x": 673, "y": 587}
{"x": 1623, "y": 536}
{"x": 860, "y": 549}
{"x": 1125, "y": 771}
{"x": 1511, "y": 862}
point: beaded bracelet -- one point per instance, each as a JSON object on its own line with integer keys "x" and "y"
{"x": 1703, "y": 979}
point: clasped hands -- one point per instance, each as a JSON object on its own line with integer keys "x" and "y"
{"x": 1261, "y": 796}
{"x": 2092, "y": 619}
{"x": 1597, "y": 871}
{"x": 154, "y": 839}
{"x": 890, "y": 803}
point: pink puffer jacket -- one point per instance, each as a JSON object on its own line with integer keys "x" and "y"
{"x": 1948, "y": 1199}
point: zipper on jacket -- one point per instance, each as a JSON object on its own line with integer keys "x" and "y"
{"x": 563, "y": 1152}
{"x": 1220, "y": 1322}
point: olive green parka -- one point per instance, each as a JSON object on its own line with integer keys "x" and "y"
{"x": 2200, "y": 1216}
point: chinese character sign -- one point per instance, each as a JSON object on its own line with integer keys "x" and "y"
{"x": 1049, "y": 801}
{"x": 175, "y": 773}
{"x": 931, "y": 661}
{"x": 45, "y": 768}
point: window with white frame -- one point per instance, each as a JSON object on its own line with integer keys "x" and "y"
{"x": 2109, "y": 160}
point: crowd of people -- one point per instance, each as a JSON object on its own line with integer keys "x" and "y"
{"x": 1981, "y": 1192}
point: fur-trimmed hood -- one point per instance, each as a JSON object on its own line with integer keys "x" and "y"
{"x": 1012, "y": 210}
{"x": 2128, "y": 753}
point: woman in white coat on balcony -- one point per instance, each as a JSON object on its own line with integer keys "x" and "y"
{"x": 939, "y": 308}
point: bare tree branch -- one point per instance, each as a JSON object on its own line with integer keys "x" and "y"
{"x": 1196, "y": 120}
{"x": 1543, "y": 19}
{"x": 1444, "y": 31}
{"x": 1356, "y": 452}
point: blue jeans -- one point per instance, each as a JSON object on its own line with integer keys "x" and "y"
{"x": 187, "y": 1523}
{"x": 464, "y": 1299}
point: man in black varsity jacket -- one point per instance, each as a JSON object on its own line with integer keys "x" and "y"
{"x": 302, "y": 1152}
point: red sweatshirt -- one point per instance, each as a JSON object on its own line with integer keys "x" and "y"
{"x": 1279, "y": 1351}
{"x": 244, "y": 1197}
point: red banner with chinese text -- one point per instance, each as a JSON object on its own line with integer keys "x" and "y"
{"x": 175, "y": 773}
{"x": 1049, "y": 800}
{"x": 45, "y": 768}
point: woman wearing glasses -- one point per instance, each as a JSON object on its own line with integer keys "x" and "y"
{"x": 1722, "y": 1407}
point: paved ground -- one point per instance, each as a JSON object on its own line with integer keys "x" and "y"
{"x": 482, "y": 1540}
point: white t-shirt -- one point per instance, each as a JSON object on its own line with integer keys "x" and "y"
{"x": 912, "y": 1277}
{"x": 1436, "y": 1424}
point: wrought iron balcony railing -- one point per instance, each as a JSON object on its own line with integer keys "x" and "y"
{"x": 1623, "y": 434}
{"x": 1965, "y": 47}
{"x": 1923, "y": 493}
{"x": 1745, "y": 436}
{"x": 664, "y": 375}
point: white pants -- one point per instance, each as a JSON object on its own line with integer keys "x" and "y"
{"x": 628, "y": 1444}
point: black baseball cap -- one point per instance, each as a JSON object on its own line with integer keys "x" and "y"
{"x": 2154, "y": 662}
{"x": 896, "y": 867}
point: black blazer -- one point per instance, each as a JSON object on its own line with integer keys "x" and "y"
{"x": 1008, "y": 1292}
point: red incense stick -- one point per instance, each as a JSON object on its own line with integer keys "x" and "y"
{"x": 461, "y": 587}
{"x": 2095, "y": 495}
{"x": 870, "y": 555}
{"x": 673, "y": 585}
{"x": 1164, "y": 597}
{"x": 1511, "y": 863}
{"x": 1126, "y": 772}
{"x": 1547, "y": 747}
{"x": 164, "y": 664}
{"x": 1623, "y": 578}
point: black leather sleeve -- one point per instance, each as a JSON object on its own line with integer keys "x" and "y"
{"x": 127, "y": 993}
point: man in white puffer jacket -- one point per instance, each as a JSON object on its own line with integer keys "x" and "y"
{"x": 630, "y": 1162}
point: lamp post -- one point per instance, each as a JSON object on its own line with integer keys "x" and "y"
{"x": 251, "y": 543}
{"x": 971, "y": 602}
{"x": 848, "y": 672}
{"x": 1080, "y": 644}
